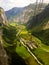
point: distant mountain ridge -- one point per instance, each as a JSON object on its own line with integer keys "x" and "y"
{"x": 13, "y": 12}
{"x": 21, "y": 15}
{"x": 28, "y": 12}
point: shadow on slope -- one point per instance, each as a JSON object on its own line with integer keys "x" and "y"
{"x": 14, "y": 58}
{"x": 39, "y": 19}
{"x": 43, "y": 35}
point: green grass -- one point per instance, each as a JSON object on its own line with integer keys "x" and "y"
{"x": 42, "y": 52}
{"x": 43, "y": 35}
{"x": 23, "y": 32}
{"x": 22, "y": 51}
{"x": 45, "y": 47}
{"x": 37, "y": 39}
{"x": 42, "y": 45}
{"x": 13, "y": 24}
{"x": 31, "y": 61}
{"x": 42, "y": 55}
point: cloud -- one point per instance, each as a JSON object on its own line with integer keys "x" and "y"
{"x": 46, "y": 1}
{"x": 8, "y": 4}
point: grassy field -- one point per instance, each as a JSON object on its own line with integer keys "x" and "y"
{"x": 22, "y": 51}
{"x": 42, "y": 52}
{"x": 42, "y": 45}
{"x": 43, "y": 35}
{"x": 42, "y": 55}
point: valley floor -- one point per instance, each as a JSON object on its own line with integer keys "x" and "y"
{"x": 35, "y": 45}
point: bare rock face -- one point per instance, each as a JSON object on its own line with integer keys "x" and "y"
{"x": 3, "y": 55}
{"x": 3, "y": 19}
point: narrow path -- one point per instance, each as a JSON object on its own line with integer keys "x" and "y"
{"x": 30, "y": 52}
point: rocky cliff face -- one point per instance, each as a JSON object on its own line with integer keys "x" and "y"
{"x": 3, "y": 56}
{"x": 40, "y": 21}
{"x": 26, "y": 14}
{"x": 3, "y": 21}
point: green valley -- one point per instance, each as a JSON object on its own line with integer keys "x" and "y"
{"x": 25, "y": 42}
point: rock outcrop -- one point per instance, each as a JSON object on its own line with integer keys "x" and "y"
{"x": 3, "y": 19}
{"x": 3, "y": 55}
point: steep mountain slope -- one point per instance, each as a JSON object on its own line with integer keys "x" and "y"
{"x": 3, "y": 55}
{"x": 22, "y": 15}
{"x": 13, "y": 12}
{"x": 28, "y": 13}
{"x": 40, "y": 21}
{"x": 39, "y": 25}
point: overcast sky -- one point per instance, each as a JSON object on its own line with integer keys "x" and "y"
{"x": 8, "y": 4}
